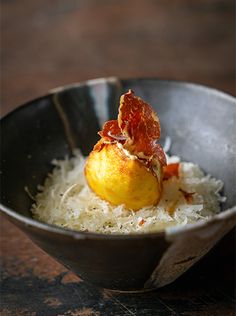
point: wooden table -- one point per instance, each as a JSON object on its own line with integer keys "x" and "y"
{"x": 52, "y": 43}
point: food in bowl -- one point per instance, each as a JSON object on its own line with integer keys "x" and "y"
{"x": 129, "y": 185}
{"x": 126, "y": 165}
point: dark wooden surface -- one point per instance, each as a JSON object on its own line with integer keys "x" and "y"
{"x": 52, "y": 43}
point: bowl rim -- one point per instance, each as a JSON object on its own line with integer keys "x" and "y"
{"x": 182, "y": 83}
{"x": 27, "y": 221}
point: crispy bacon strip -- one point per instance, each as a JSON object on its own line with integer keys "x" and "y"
{"x": 187, "y": 195}
{"x": 171, "y": 170}
{"x": 110, "y": 130}
{"x": 137, "y": 128}
{"x": 137, "y": 118}
{"x": 139, "y": 123}
{"x": 141, "y": 222}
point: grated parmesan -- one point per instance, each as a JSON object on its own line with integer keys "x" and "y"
{"x": 66, "y": 200}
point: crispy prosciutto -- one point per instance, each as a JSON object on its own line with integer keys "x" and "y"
{"x": 137, "y": 129}
{"x": 171, "y": 170}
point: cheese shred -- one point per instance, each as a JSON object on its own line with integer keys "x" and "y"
{"x": 65, "y": 200}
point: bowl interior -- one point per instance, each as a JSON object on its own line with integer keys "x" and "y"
{"x": 200, "y": 122}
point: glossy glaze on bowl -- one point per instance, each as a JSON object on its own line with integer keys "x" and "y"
{"x": 201, "y": 124}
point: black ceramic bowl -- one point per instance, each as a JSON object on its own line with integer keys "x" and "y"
{"x": 201, "y": 124}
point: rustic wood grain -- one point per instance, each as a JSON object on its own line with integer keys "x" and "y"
{"x": 52, "y": 43}
{"x": 34, "y": 284}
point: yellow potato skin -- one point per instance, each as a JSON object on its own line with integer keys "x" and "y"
{"x": 116, "y": 178}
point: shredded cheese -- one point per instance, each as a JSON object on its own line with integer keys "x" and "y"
{"x": 66, "y": 200}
